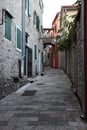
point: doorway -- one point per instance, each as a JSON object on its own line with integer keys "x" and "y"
{"x": 28, "y": 62}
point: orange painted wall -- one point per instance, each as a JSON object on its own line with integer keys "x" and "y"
{"x": 54, "y": 56}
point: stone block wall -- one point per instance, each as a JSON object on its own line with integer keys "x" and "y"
{"x": 8, "y": 54}
{"x": 62, "y": 60}
{"x": 74, "y": 64}
{"x": 10, "y": 85}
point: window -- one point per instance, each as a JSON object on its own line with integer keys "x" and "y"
{"x": 34, "y": 18}
{"x": 35, "y": 52}
{"x": 18, "y": 45}
{"x": 37, "y": 23}
{"x": 26, "y": 38}
{"x": 41, "y": 4}
{"x": 8, "y": 19}
{"x": 28, "y": 7}
{"x": 41, "y": 57}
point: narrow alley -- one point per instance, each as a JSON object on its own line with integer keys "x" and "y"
{"x": 46, "y": 104}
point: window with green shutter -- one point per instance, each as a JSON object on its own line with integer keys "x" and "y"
{"x": 26, "y": 6}
{"x": 29, "y": 7}
{"x": 18, "y": 46}
{"x": 35, "y": 52}
{"x": 34, "y": 18}
{"x": 41, "y": 4}
{"x": 8, "y": 19}
{"x": 37, "y": 23}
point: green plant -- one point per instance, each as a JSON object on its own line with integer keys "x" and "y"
{"x": 78, "y": 3}
{"x": 67, "y": 33}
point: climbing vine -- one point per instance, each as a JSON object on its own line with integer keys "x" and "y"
{"x": 67, "y": 34}
{"x": 68, "y": 31}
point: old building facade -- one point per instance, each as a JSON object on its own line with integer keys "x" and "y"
{"x": 54, "y": 61}
{"x": 71, "y": 57}
{"x": 11, "y": 33}
{"x": 67, "y": 12}
{"x": 50, "y": 35}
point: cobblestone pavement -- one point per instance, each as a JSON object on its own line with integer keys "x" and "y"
{"x": 46, "y": 104}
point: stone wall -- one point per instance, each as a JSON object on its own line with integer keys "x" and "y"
{"x": 9, "y": 55}
{"x": 10, "y": 85}
{"x": 74, "y": 64}
{"x": 62, "y": 59}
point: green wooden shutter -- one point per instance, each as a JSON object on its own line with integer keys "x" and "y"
{"x": 34, "y": 18}
{"x": 26, "y": 6}
{"x": 8, "y": 27}
{"x": 37, "y": 22}
{"x": 18, "y": 38}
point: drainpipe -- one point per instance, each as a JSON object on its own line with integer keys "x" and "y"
{"x": 21, "y": 60}
{"x": 23, "y": 29}
{"x": 83, "y": 116}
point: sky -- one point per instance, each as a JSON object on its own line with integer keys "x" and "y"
{"x": 51, "y": 8}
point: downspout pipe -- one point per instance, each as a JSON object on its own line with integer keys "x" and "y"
{"x": 21, "y": 60}
{"x": 23, "y": 29}
{"x": 83, "y": 116}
